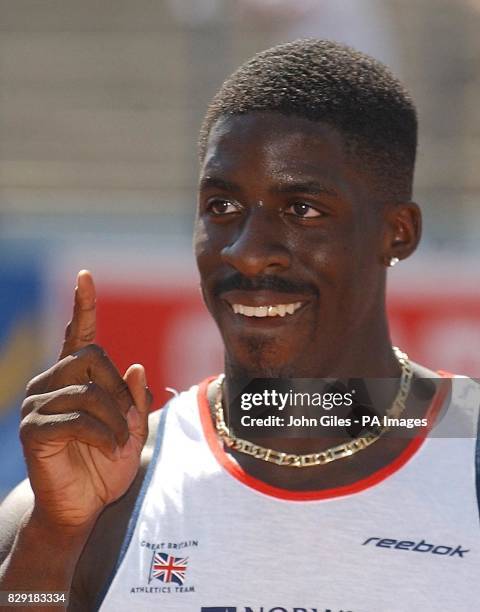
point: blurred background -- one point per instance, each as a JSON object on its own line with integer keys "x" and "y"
{"x": 100, "y": 105}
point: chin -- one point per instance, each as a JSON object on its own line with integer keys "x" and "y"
{"x": 260, "y": 357}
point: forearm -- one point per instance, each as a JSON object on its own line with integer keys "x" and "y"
{"x": 42, "y": 558}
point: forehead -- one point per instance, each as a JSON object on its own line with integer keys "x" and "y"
{"x": 275, "y": 146}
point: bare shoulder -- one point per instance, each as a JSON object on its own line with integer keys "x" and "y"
{"x": 421, "y": 371}
{"x": 13, "y": 508}
{"x": 426, "y": 380}
{"x": 101, "y": 552}
{"x": 429, "y": 386}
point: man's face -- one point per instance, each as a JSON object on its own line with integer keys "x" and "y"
{"x": 288, "y": 245}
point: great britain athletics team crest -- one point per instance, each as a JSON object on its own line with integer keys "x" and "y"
{"x": 167, "y": 568}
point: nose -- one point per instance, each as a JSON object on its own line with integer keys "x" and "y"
{"x": 258, "y": 247}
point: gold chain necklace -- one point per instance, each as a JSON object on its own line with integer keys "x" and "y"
{"x": 347, "y": 449}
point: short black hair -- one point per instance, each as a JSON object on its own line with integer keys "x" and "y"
{"x": 329, "y": 82}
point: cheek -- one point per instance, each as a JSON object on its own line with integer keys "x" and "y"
{"x": 203, "y": 249}
{"x": 208, "y": 238}
{"x": 200, "y": 238}
{"x": 206, "y": 255}
{"x": 330, "y": 256}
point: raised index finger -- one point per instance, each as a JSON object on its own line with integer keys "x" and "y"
{"x": 82, "y": 328}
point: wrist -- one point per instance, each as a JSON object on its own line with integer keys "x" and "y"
{"x": 44, "y": 519}
{"x": 54, "y": 550}
{"x": 60, "y": 535}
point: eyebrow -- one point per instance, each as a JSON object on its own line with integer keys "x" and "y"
{"x": 309, "y": 187}
{"x": 213, "y": 182}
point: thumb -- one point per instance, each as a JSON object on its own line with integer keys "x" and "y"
{"x": 136, "y": 380}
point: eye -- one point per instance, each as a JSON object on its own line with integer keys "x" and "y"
{"x": 221, "y": 207}
{"x": 303, "y": 210}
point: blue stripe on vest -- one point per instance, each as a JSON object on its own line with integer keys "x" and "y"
{"x": 136, "y": 509}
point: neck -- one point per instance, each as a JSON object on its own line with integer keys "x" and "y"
{"x": 371, "y": 356}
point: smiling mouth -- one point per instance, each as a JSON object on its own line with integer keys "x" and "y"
{"x": 277, "y": 310}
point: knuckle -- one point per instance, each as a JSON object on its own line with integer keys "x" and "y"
{"x": 24, "y": 431}
{"x": 40, "y": 404}
{"x": 38, "y": 383}
{"x": 27, "y": 429}
{"x": 92, "y": 355}
{"x": 95, "y": 352}
{"x": 92, "y": 392}
{"x": 31, "y": 386}
{"x": 28, "y": 405}
{"x": 87, "y": 334}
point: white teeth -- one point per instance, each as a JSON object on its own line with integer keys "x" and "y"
{"x": 266, "y": 311}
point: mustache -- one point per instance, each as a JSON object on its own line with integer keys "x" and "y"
{"x": 267, "y": 282}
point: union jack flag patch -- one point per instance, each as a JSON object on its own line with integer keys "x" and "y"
{"x": 167, "y": 568}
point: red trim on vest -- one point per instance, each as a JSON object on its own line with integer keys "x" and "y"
{"x": 360, "y": 485}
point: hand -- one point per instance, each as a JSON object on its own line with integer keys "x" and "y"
{"x": 83, "y": 425}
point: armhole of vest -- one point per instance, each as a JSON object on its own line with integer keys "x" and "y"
{"x": 136, "y": 510}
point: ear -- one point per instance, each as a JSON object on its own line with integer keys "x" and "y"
{"x": 403, "y": 229}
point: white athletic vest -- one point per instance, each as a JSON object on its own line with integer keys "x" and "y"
{"x": 204, "y": 537}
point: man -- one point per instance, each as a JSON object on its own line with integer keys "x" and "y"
{"x": 307, "y": 156}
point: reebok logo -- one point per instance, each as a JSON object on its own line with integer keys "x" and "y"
{"x": 422, "y": 547}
